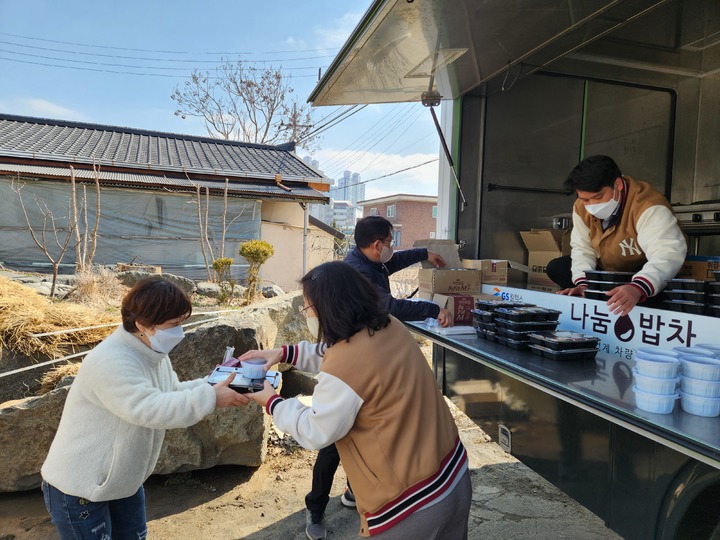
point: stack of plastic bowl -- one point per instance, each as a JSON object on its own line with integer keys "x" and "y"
{"x": 656, "y": 379}
{"x": 700, "y": 380}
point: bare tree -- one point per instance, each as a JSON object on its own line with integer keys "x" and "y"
{"x": 85, "y": 243}
{"x": 49, "y": 228}
{"x": 246, "y": 104}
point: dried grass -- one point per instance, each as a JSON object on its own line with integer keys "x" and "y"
{"x": 50, "y": 379}
{"x": 98, "y": 288}
{"x": 24, "y": 312}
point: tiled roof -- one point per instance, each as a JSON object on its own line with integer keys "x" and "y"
{"x": 244, "y": 188}
{"x": 80, "y": 143}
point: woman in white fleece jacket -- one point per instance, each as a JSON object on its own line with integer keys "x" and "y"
{"x": 122, "y": 400}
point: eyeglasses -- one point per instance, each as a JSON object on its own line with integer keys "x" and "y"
{"x": 390, "y": 242}
{"x": 303, "y": 310}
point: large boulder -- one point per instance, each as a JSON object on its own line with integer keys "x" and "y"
{"x": 236, "y": 436}
{"x": 130, "y": 277}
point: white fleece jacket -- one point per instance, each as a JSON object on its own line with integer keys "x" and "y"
{"x": 122, "y": 400}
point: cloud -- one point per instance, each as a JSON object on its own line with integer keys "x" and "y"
{"x": 44, "y": 108}
{"x": 335, "y": 36}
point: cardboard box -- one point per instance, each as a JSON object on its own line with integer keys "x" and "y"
{"x": 544, "y": 245}
{"x": 447, "y": 249}
{"x": 696, "y": 267}
{"x": 460, "y": 305}
{"x": 499, "y": 271}
{"x": 453, "y": 281}
{"x": 478, "y": 398}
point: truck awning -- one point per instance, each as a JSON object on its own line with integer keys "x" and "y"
{"x": 402, "y": 49}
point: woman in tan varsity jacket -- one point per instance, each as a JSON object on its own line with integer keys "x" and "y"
{"x": 621, "y": 225}
{"x": 377, "y": 400}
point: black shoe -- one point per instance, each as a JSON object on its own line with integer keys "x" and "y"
{"x": 348, "y": 498}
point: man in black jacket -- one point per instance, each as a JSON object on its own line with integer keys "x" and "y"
{"x": 374, "y": 258}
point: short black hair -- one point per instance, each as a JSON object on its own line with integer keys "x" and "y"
{"x": 152, "y": 301}
{"x": 344, "y": 300}
{"x": 371, "y": 228}
{"x": 592, "y": 174}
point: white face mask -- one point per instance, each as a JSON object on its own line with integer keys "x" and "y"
{"x": 386, "y": 254}
{"x": 603, "y": 210}
{"x": 164, "y": 341}
{"x": 313, "y": 324}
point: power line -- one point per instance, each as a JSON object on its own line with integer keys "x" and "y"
{"x": 392, "y": 173}
{"x": 184, "y": 60}
{"x": 159, "y": 51}
{"x": 185, "y": 69}
{"x": 116, "y": 71}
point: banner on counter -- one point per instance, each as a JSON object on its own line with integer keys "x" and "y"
{"x": 620, "y": 336}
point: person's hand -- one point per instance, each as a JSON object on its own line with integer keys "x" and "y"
{"x": 574, "y": 291}
{"x": 271, "y": 356}
{"x": 623, "y": 299}
{"x": 445, "y": 318}
{"x": 226, "y": 396}
{"x": 436, "y": 260}
{"x": 264, "y": 395}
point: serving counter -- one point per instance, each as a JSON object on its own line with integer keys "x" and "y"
{"x": 576, "y": 423}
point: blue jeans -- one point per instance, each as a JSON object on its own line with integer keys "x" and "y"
{"x": 76, "y": 518}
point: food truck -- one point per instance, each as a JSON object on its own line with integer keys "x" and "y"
{"x": 525, "y": 89}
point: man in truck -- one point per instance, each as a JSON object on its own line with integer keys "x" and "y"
{"x": 620, "y": 225}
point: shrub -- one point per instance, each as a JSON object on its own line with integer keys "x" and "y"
{"x": 255, "y": 252}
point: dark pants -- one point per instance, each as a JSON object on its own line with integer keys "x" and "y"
{"x": 326, "y": 464}
{"x": 559, "y": 271}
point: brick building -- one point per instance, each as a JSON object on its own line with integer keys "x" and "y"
{"x": 414, "y": 217}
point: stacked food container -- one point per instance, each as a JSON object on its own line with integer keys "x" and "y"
{"x": 601, "y": 281}
{"x": 656, "y": 379}
{"x": 700, "y": 379}
{"x": 657, "y": 373}
{"x": 693, "y": 296}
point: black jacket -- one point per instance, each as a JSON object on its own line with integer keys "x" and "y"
{"x": 378, "y": 274}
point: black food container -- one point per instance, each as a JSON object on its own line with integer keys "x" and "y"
{"x": 713, "y": 287}
{"x": 713, "y": 299}
{"x": 603, "y": 285}
{"x": 512, "y": 343}
{"x": 564, "y": 340}
{"x": 571, "y": 354}
{"x": 595, "y": 295}
{"x": 605, "y": 275}
{"x": 685, "y": 295}
{"x": 532, "y": 326}
{"x": 713, "y": 311}
{"x": 492, "y": 305}
{"x": 686, "y": 284}
{"x": 527, "y": 314}
{"x": 684, "y": 307}
{"x": 481, "y": 315}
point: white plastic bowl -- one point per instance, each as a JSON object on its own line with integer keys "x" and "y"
{"x": 661, "y": 367}
{"x": 699, "y": 367}
{"x": 654, "y": 385}
{"x": 700, "y": 406}
{"x": 693, "y": 350}
{"x": 253, "y": 368}
{"x": 654, "y": 403}
{"x": 698, "y": 387}
{"x": 713, "y": 347}
{"x": 654, "y": 351}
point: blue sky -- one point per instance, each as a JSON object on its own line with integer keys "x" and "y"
{"x": 117, "y": 63}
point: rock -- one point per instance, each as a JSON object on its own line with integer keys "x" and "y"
{"x": 209, "y": 289}
{"x": 130, "y": 277}
{"x": 271, "y": 291}
{"x": 26, "y": 430}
